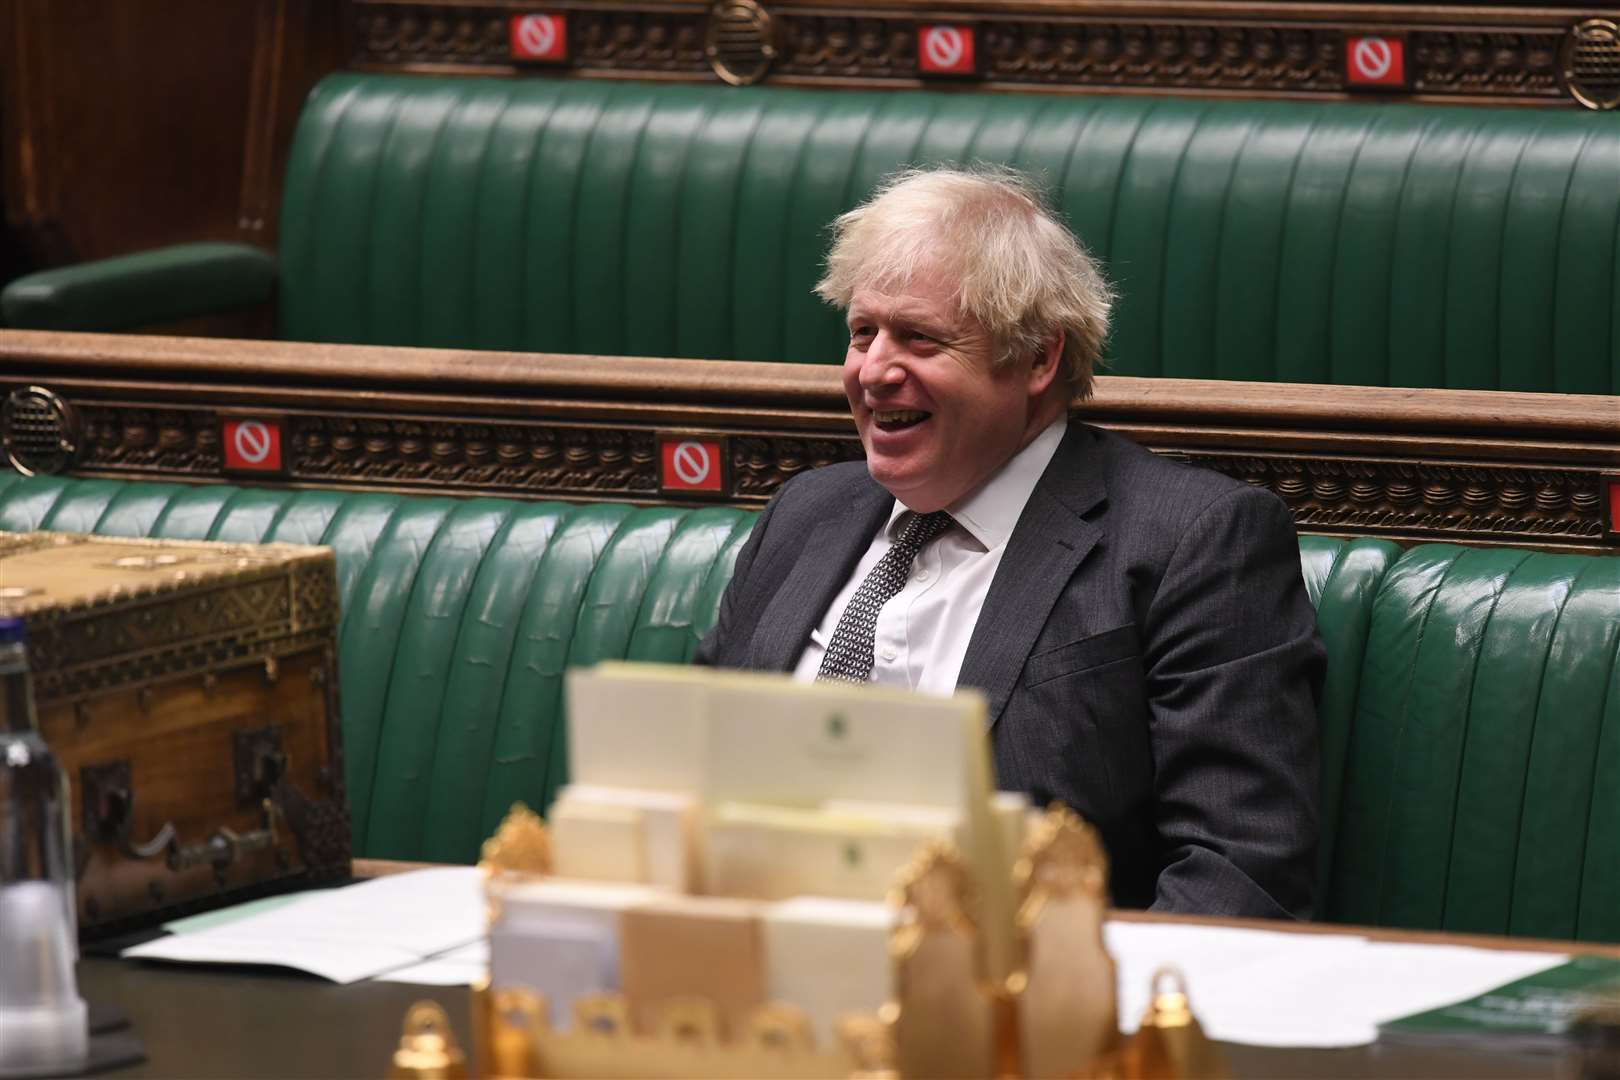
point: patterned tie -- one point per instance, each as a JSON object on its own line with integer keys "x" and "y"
{"x": 849, "y": 655}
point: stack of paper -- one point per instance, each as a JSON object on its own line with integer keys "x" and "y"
{"x": 1264, "y": 988}
{"x": 383, "y": 925}
{"x": 1275, "y": 988}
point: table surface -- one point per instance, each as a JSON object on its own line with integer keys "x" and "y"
{"x": 217, "y": 1022}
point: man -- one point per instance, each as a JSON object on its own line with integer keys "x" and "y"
{"x": 1140, "y": 628}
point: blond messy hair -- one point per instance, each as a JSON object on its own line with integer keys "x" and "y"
{"x": 1019, "y": 271}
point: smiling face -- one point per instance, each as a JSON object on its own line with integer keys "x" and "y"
{"x": 935, "y": 415}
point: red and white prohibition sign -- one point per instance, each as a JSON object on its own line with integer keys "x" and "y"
{"x": 252, "y": 444}
{"x": 691, "y": 465}
{"x": 1370, "y": 60}
{"x": 539, "y": 37}
{"x": 945, "y": 50}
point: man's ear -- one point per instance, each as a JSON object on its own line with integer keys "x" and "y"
{"x": 1048, "y": 363}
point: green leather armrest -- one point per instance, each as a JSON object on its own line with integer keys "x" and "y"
{"x": 147, "y": 287}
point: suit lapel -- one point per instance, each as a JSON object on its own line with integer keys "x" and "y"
{"x": 823, "y": 565}
{"x": 1047, "y": 546}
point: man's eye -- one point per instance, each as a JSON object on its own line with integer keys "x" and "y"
{"x": 860, "y": 335}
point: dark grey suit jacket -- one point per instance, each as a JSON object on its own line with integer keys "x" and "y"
{"x": 1147, "y": 648}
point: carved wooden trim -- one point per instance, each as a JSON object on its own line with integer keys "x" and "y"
{"x": 513, "y": 458}
{"x": 1479, "y": 53}
{"x": 1469, "y": 466}
{"x": 1442, "y": 500}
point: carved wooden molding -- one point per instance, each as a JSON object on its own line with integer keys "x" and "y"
{"x": 1471, "y": 466}
{"x": 1549, "y": 56}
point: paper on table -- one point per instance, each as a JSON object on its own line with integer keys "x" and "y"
{"x": 1272, "y": 988}
{"x": 219, "y": 917}
{"x": 1466, "y": 973}
{"x": 1227, "y": 971}
{"x": 476, "y": 952}
{"x": 454, "y": 967}
{"x": 346, "y": 934}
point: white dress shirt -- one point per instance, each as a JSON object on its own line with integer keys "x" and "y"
{"x": 923, "y": 631}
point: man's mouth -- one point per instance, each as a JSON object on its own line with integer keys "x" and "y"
{"x": 898, "y": 419}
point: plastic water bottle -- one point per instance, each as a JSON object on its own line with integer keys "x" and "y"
{"x": 43, "y": 1020}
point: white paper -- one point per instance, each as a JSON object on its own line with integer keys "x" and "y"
{"x": 1274, "y": 988}
{"x": 460, "y": 966}
{"x": 346, "y": 934}
{"x": 476, "y": 952}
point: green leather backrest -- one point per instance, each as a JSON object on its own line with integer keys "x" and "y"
{"x": 1470, "y": 717}
{"x": 1303, "y": 242}
{"x": 1341, "y": 578}
{"x": 1482, "y": 785}
{"x": 459, "y": 618}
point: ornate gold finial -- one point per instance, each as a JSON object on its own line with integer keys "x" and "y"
{"x": 1170, "y": 1044}
{"x": 520, "y": 846}
{"x": 692, "y": 1020}
{"x": 1067, "y": 1013}
{"x": 427, "y": 1047}
{"x": 517, "y": 1019}
{"x": 1062, "y": 856}
{"x": 780, "y": 1028}
{"x": 936, "y": 889}
{"x": 869, "y": 1041}
{"x": 605, "y": 1016}
{"x": 946, "y": 1022}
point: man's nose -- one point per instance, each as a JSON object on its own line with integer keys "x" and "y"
{"x": 879, "y": 367}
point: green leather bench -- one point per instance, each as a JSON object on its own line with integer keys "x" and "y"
{"x": 1471, "y": 716}
{"x": 1303, "y": 242}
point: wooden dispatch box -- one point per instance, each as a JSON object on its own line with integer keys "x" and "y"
{"x": 190, "y": 691}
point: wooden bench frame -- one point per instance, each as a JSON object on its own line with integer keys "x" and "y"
{"x": 1476, "y": 467}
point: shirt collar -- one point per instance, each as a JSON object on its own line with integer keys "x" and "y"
{"x": 990, "y": 511}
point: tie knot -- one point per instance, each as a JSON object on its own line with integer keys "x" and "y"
{"x": 918, "y": 529}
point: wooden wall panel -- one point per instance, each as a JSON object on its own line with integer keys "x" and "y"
{"x": 135, "y": 123}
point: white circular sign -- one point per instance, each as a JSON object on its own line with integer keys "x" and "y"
{"x": 1372, "y": 58}
{"x": 537, "y": 34}
{"x": 944, "y": 46}
{"x": 692, "y": 464}
{"x": 252, "y": 441}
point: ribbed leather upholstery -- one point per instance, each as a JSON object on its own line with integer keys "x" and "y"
{"x": 1341, "y": 579}
{"x": 1323, "y": 242}
{"x": 1470, "y": 719}
{"x": 1482, "y": 783}
{"x": 459, "y": 618}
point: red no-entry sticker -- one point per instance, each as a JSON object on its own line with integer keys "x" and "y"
{"x": 691, "y": 465}
{"x": 540, "y": 37}
{"x": 252, "y": 445}
{"x": 1370, "y": 60}
{"x": 945, "y": 50}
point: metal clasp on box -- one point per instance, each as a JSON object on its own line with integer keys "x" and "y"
{"x": 109, "y": 807}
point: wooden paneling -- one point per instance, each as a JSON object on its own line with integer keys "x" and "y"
{"x": 137, "y": 123}
{"x": 1562, "y": 55}
{"x": 1479, "y": 467}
